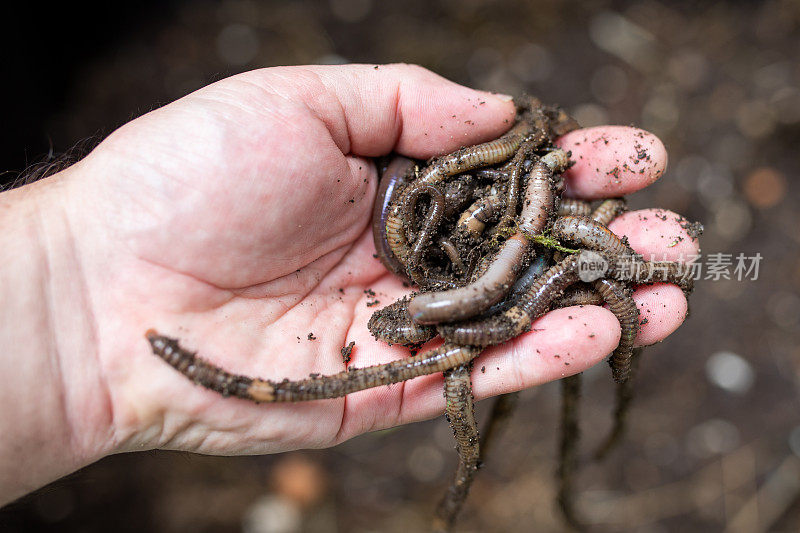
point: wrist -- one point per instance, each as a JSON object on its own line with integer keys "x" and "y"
{"x": 54, "y": 413}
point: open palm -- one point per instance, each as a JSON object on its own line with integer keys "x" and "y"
{"x": 237, "y": 219}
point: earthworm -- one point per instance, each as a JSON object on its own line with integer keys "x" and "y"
{"x": 541, "y": 294}
{"x": 392, "y": 179}
{"x": 560, "y": 122}
{"x": 573, "y": 207}
{"x": 499, "y": 173}
{"x": 526, "y": 279}
{"x": 557, "y": 160}
{"x": 624, "y": 308}
{"x": 517, "y": 319}
{"x": 540, "y": 121}
{"x": 410, "y": 207}
{"x": 523, "y": 283}
{"x": 352, "y": 380}
{"x": 502, "y": 410}
{"x": 432, "y": 219}
{"x": 458, "y": 193}
{"x": 438, "y": 282}
{"x": 666, "y": 272}
{"x": 515, "y": 183}
{"x": 477, "y": 264}
{"x": 470, "y": 300}
{"x": 494, "y": 174}
{"x": 568, "y": 448}
{"x": 627, "y": 268}
{"x": 395, "y": 235}
{"x": 622, "y": 404}
{"x": 451, "y": 251}
{"x": 559, "y": 185}
{"x": 393, "y": 325}
{"x": 537, "y": 205}
{"x": 460, "y": 412}
{"x": 589, "y": 234}
{"x": 474, "y": 219}
{"x": 480, "y": 155}
{"x": 580, "y": 295}
{"x": 608, "y": 210}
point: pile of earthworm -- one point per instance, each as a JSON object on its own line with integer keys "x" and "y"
{"x": 487, "y": 238}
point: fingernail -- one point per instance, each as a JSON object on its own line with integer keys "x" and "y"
{"x": 499, "y": 96}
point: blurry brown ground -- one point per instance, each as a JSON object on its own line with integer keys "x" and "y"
{"x": 715, "y": 426}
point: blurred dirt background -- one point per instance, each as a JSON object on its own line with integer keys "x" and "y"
{"x": 715, "y": 441}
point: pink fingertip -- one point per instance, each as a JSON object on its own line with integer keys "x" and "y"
{"x": 612, "y": 161}
{"x": 662, "y": 308}
{"x": 561, "y": 343}
{"x": 657, "y": 234}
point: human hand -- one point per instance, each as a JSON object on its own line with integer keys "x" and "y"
{"x": 237, "y": 219}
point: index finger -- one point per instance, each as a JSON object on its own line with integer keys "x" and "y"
{"x": 612, "y": 161}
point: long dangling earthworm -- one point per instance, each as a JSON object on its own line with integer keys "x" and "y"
{"x": 213, "y": 377}
{"x": 622, "y": 403}
{"x": 568, "y": 448}
{"x": 624, "y": 357}
{"x": 393, "y": 325}
{"x": 624, "y": 308}
{"x": 460, "y": 412}
{"x": 392, "y": 180}
{"x": 606, "y": 212}
{"x": 502, "y": 410}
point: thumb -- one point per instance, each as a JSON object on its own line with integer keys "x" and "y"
{"x": 371, "y": 110}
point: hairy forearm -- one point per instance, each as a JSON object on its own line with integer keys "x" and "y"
{"x": 51, "y": 421}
